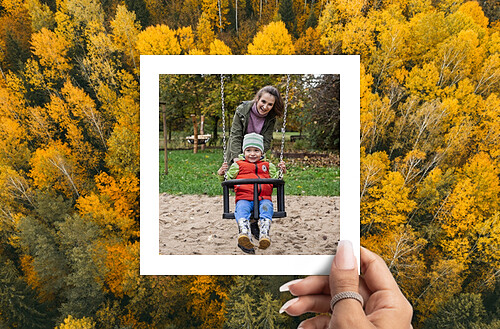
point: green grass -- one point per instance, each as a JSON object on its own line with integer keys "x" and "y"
{"x": 197, "y": 174}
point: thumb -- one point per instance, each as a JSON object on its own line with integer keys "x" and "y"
{"x": 344, "y": 277}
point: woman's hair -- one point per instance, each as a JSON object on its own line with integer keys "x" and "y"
{"x": 278, "y": 103}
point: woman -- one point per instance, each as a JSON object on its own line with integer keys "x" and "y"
{"x": 256, "y": 116}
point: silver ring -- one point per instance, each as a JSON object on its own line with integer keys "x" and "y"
{"x": 345, "y": 295}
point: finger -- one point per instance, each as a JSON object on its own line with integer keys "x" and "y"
{"x": 344, "y": 277}
{"x": 318, "y": 322}
{"x": 376, "y": 273}
{"x": 311, "y": 285}
{"x": 306, "y": 304}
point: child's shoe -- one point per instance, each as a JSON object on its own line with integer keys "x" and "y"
{"x": 244, "y": 235}
{"x": 264, "y": 239}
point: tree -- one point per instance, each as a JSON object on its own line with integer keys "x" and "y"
{"x": 204, "y": 32}
{"x": 125, "y": 33}
{"x": 218, "y": 47}
{"x": 158, "y": 40}
{"x": 72, "y": 323}
{"x": 288, "y": 16}
{"x": 272, "y": 40}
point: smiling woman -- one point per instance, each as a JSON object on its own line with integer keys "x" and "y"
{"x": 256, "y": 116}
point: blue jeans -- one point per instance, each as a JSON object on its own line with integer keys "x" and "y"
{"x": 244, "y": 207}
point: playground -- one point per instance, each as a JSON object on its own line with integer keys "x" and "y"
{"x": 192, "y": 218}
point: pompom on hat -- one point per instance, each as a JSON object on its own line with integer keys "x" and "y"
{"x": 253, "y": 140}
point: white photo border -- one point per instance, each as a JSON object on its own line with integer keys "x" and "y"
{"x": 151, "y": 262}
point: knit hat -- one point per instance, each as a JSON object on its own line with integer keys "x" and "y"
{"x": 253, "y": 140}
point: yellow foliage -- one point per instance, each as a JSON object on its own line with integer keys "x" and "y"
{"x": 41, "y": 15}
{"x": 401, "y": 248}
{"x": 54, "y": 167}
{"x": 387, "y": 204}
{"x": 196, "y": 51}
{"x": 73, "y": 323}
{"x": 208, "y": 299}
{"x": 358, "y": 38}
{"x": 51, "y": 50}
{"x": 474, "y": 10}
{"x": 121, "y": 261}
{"x": 125, "y": 33}
{"x": 218, "y": 47}
{"x": 309, "y": 44}
{"x": 204, "y": 32}
{"x": 423, "y": 81}
{"x": 274, "y": 39}
{"x": 186, "y": 38}
{"x": 474, "y": 199}
{"x": 373, "y": 168}
{"x": 158, "y": 40}
{"x": 114, "y": 206}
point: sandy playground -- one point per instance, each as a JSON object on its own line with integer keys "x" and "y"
{"x": 193, "y": 225}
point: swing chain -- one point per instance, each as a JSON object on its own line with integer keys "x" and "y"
{"x": 284, "y": 123}
{"x": 223, "y": 122}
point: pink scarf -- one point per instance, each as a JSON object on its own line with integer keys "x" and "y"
{"x": 255, "y": 121}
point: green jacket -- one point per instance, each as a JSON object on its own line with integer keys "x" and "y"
{"x": 239, "y": 128}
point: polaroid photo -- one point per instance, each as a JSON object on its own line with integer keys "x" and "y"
{"x": 187, "y": 234}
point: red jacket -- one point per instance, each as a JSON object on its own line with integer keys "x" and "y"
{"x": 259, "y": 169}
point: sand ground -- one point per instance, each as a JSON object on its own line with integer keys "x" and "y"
{"x": 193, "y": 225}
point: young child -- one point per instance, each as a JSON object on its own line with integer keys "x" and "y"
{"x": 252, "y": 164}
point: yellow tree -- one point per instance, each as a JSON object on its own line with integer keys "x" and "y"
{"x": 218, "y": 47}
{"x": 204, "y": 33}
{"x": 274, "y": 39}
{"x": 51, "y": 51}
{"x": 387, "y": 205}
{"x": 158, "y": 40}
{"x": 334, "y": 17}
{"x": 308, "y": 43}
{"x": 125, "y": 34}
{"x": 72, "y": 323}
{"x": 186, "y": 38}
{"x": 54, "y": 168}
{"x": 41, "y": 15}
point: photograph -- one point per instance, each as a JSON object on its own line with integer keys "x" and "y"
{"x": 272, "y": 127}
{"x": 234, "y": 147}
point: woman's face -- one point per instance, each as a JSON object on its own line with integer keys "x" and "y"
{"x": 265, "y": 103}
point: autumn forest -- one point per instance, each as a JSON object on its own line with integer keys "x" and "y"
{"x": 69, "y": 154}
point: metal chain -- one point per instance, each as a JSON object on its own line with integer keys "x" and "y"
{"x": 284, "y": 123}
{"x": 223, "y": 122}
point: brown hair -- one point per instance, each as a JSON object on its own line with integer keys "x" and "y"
{"x": 278, "y": 103}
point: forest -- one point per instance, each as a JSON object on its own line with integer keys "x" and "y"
{"x": 69, "y": 154}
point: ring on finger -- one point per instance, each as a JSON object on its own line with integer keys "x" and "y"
{"x": 346, "y": 295}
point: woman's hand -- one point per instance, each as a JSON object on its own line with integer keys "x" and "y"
{"x": 222, "y": 170}
{"x": 282, "y": 166}
{"x": 384, "y": 304}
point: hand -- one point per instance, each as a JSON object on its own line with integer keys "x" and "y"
{"x": 222, "y": 170}
{"x": 282, "y": 166}
{"x": 385, "y": 306}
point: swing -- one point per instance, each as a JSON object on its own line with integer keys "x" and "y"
{"x": 279, "y": 184}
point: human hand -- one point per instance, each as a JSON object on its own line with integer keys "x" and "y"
{"x": 384, "y": 305}
{"x": 222, "y": 170}
{"x": 282, "y": 166}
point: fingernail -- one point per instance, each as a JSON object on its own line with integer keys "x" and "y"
{"x": 300, "y": 326}
{"x": 288, "y": 304}
{"x": 286, "y": 286}
{"x": 344, "y": 259}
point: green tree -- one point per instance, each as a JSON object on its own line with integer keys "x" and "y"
{"x": 288, "y": 16}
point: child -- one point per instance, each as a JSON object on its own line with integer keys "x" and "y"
{"x": 252, "y": 164}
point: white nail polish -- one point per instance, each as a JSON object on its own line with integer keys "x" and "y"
{"x": 284, "y": 287}
{"x": 288, "y": 304}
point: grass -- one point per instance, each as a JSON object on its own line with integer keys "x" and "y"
{"x": 197, "y": 174}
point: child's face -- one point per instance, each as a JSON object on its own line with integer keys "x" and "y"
{"x": 252, "y": 154}
{"x": 265, "y": 103}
